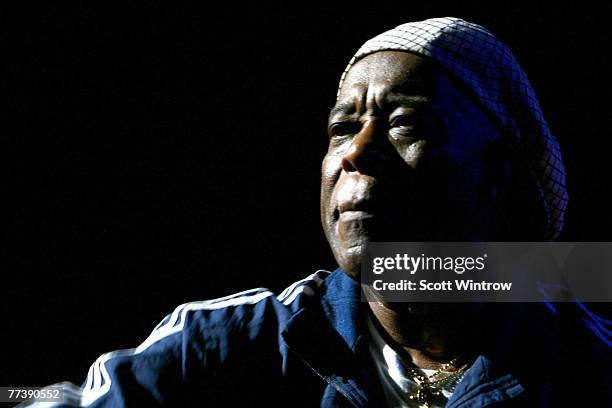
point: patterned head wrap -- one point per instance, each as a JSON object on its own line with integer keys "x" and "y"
{"x": 486, "y": 65}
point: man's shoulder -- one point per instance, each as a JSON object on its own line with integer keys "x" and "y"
{"x": 242, "y": 309}
{"x": 211, "y": 336}
{"x": 299, "y": 293}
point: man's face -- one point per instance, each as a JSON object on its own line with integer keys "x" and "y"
{"x": 408, "y": 159}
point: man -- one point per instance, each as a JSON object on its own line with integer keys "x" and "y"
{"x": 436, "y": 135}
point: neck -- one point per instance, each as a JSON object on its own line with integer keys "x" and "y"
{"x": 426, "y": 335}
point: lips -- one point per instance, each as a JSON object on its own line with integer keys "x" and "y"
{"x": 350, "y": 215}
{"x": 358, "y": 206}
{"x": 354, "y": 211}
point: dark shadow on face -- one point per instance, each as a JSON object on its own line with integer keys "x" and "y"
{"x": 411, "y": 158}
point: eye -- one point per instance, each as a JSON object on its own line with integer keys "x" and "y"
{"x": 343, "y": 128}
{"x": 403, "y": 121}
{"x": 402, "y": 126}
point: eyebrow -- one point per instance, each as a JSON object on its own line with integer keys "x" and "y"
{"x": 342, "y": 107}
{"x": 411, "y": 101}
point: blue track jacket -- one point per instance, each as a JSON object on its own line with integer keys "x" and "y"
{"x": 305, "y": 347}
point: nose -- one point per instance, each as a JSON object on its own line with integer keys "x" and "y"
{"x": 365, "y": 152}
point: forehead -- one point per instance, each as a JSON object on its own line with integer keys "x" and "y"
{"x": 393, "y": 71}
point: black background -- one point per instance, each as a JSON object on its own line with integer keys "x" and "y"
{"x": 171, "y": 153}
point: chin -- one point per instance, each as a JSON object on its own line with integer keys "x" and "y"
{"x": 350, "y": 260}
{"x": 348, "y": 250}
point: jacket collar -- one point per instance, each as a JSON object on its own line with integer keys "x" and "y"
{"x": 483, "y": 385}
{"x": 326, "y": 335}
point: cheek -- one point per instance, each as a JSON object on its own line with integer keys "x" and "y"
{"x": 327, "y": 166}
{"x": 328, "y": 181}
{"x": 330, "y": 171}
{"x": 467, "y": 154}
{"x": 412, "y": 153}
{"x": 458, "y": 171}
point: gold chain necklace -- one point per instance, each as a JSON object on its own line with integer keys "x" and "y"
{"x": 430, "y": 387}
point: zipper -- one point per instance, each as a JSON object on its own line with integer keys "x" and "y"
{"x": 326, "y": 379}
